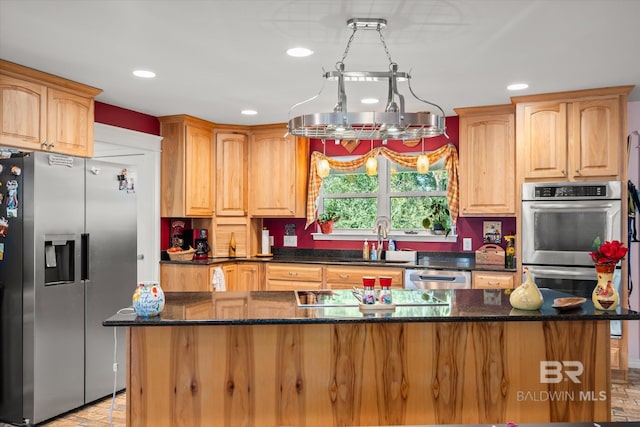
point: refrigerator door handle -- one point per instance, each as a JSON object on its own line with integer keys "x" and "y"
{"x": 84, "y": 266}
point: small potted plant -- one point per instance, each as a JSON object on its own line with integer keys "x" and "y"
{"x": 438, "y": 218}
{"x": 325, "y": 221}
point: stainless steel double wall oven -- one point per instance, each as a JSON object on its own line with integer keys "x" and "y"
{"x": 559, "y": 224}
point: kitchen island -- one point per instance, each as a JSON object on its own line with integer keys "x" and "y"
{"x": 307, "y": 359}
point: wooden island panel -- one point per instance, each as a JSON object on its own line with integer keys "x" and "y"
{"x": 319, "y": 375}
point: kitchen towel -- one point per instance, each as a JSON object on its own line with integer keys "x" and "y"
{"x": 218, "y": 280}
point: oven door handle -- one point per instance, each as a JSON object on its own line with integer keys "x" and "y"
{"x": 551, "y": 273}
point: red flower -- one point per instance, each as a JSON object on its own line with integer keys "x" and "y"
{"x": 609, "y": 253}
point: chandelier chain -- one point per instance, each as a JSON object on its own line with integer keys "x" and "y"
{"x": 384, "y": 44}
{"x": 346, "y": 49}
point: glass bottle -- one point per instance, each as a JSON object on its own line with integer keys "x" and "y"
{"x": 385, "y": 291}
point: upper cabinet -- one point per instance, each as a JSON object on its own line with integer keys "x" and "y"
{"x": 487, "y": 160}
{"x": 572, "y": 136}
{"x": 231, "y": 173}
{"x": 187, "y": 167}
{"x": 278, "y": 167}
{"x": 39, "y": 111}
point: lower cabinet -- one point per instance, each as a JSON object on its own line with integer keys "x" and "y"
{"x": 287, "y": 277}
{"x": 249, "y": 276}
{"x": 338, "y": 277}
{"x": 185, "y": 278}
{"x": 493, "y": 279}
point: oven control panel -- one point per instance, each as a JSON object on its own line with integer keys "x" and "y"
{"x": 571, "y": 191}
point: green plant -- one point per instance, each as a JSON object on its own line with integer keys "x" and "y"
{"x": 437, "y": 215}
{"x": 328, "y": 216}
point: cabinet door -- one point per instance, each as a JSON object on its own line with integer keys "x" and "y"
{"x": 545, "y": 140}
{"x": 249, "y": 277}
{"x": 22, "y": 113}
{"x": 198, "y": 171}
{"x": 277, "y": 174}
{"x": 487, "y": 165}
{"x": 223, "y": 228}
{"x": 231, "y": 174}
{"x": 230, "y": 277}
{"x": 69, "y": 123}
{"x": 595, "y": 138}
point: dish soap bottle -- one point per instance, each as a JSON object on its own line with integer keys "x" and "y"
{"x": 365, "y": 249}
{"x": 374, "y": 252}
{"x": 527, "y": 296}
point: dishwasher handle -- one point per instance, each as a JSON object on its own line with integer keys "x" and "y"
{"x": 432, "y": 278}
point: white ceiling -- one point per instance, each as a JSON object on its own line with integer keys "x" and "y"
{"x": 214, "y": 58}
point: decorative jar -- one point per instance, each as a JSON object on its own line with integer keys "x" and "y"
{"x": 148, "y": 299}
{"x": 605, "y": 296}
{"x": 527, "y": 296}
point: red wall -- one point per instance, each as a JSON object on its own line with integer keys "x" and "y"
{"x": 127, "y": 119}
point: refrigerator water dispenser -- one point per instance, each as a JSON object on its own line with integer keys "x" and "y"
{"x": 59, "y": 261}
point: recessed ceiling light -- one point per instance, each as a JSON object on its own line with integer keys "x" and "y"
{"x": 369, "y": 100}
{"x": 145, "y": 74}
{"x": 299, "y": 52}
{"x": 517, "y": 86}
{"x": 249, "y": 112}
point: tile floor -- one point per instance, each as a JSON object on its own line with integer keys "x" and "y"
{"x": 625, "y": 406}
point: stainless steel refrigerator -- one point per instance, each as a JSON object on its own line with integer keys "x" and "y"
{"x": 68, "y": 249}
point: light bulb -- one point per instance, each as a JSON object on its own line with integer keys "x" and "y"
{"x": 423, "y": 163}
{"x": 372, "y": 166}
{"x": 323, "y": 168}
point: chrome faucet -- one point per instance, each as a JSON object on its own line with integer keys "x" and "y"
{"x": 381, "y": 227}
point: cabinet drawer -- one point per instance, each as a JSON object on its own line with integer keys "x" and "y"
{"x": 337, "y": 277}
{"x": 297, "y": 272}
{"x": 292, "y": 285}
{"x": 492, "y": 280}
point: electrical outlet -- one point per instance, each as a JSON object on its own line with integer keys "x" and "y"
{"x": 291, "y": 241}
{"x": 466, "y": 244}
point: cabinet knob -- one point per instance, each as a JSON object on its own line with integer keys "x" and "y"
{"x": 577, "y": 170}
{"x": 344, "y": 276}
{"x": 44, "y": 144}
{"x": 293, "y": 273}
{"x": 562, "y": 172}
{"x": 492, "y": 283}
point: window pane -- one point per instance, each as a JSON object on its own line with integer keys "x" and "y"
{"x": 354, "y": 182}
{"x": 405, "y": 180}
{"x": 354, "y": 213}
{"x": 407, "y": 213}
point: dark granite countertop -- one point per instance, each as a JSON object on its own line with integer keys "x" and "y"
{"x": 432, "y": 260}
{"x": 460, "y": 305}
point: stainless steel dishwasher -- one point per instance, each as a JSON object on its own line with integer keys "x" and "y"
{"x": 437, "y": 279}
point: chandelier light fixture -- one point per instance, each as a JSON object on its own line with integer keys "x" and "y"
{"x": 423, "y": 161}
{"x": 323, "y": 163}
{"x": 371, "y": 166}
{"x": 393, "y": 123}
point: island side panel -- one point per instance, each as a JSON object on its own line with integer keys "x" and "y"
{"x": 319, "y": 375}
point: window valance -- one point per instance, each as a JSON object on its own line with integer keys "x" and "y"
{"x": 448, "y": 151}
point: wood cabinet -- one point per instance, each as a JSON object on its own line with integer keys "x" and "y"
{"x": 250, "y": 276}
{"x": 231, "y": 174}
{"x": 487, "y": 160}
{"x": 185, "y": 277}
{"x": 341, "y": 277}
{"x": 39, "y": 111}
{"x": 278, "y": 167}
{"x": 493, "y": 280}
{"x": 187, "y": 178}
{"x": 286, "y": 276}
{"x": 572, "y": 136}
{"x": 230, "y": 272}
